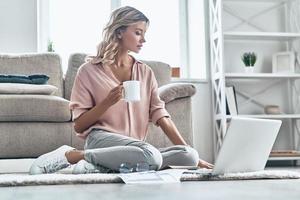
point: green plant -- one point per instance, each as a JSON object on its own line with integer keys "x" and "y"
{"x": 249, "y": 59}
{"x": 50, "y": 46}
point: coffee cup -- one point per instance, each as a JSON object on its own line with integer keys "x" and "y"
{"x": 131, "y": 90}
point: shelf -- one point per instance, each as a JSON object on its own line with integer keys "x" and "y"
{"x": 285, "y": 155}
{"x": 285, "y": 158}
{"x": 283, "y": 36}
{"x": 264, "y": 116}
{"x": 260, "y": 75}
{"x": 256, "y": 1}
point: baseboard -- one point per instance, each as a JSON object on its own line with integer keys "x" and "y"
{"x": 15, "y": 165}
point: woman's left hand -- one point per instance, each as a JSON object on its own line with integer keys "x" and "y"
{"x": 204, "y": 164}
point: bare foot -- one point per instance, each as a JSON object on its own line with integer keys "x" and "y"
{"x": 74, "y": 156}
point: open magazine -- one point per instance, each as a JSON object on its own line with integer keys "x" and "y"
{"x": 150, "y": 177}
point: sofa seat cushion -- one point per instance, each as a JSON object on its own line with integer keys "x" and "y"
{"x": 38, "y": 108}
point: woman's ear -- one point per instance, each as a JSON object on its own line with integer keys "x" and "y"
{"x": 120, "y": 32}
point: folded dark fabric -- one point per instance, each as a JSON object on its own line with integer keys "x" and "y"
{"x": 27, "y": 79}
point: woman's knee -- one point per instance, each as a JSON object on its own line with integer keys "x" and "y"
{"x": 192, "y": 155}
{"x": 184, "y": 155}
{"x": 154, "y": 157}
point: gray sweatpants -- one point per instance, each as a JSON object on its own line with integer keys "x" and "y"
{"x": 110, "y": 150}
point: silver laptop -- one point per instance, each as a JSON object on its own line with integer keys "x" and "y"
{"x": 247, "y": 145}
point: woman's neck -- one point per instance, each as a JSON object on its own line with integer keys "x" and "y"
{"x": 123, "y": 60}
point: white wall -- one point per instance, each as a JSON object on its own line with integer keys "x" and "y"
{"x": 202, "y": 105}
{"x": 202, "y": 123}
{"x": 18, "y": 29}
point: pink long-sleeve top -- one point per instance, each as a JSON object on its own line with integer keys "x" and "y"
{"x": 92, "y": 85}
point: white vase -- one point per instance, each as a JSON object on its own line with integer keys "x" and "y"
{"x": 249, "y": 69}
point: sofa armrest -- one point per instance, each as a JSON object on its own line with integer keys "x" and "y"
{"x": 172, "y": 91}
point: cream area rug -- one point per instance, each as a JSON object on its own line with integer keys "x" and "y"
{"x": 192, "y": 175}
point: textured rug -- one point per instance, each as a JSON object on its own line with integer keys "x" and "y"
{"x": 55, "y": 179}
{"x": 266, "y": 174}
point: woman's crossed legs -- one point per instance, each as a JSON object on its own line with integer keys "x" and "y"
{"x": 111, "y": 150}
{"x": 108, "y": 150}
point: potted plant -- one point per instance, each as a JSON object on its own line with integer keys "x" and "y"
{"x": 50, "y": 47}
{"x": 249, "y": 59}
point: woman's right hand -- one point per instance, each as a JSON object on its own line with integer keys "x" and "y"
{"x": 90, "y": 117}
{"x": 113, "y": 96}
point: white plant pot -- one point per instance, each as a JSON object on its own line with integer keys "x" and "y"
{"x": 249, "y": 69}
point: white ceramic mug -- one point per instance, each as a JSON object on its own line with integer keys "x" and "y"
{"x": 131, "y": 91}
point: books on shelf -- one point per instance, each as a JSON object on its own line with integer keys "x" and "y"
{"x": 231, "y": 103}
{"x": 283, "y": 153}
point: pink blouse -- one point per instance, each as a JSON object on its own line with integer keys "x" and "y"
{"x": 93, "y": 83}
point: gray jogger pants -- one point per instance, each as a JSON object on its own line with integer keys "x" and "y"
{"x": 111, "y": 150}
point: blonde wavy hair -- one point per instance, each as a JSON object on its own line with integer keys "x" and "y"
{"x": 119, "y": 20}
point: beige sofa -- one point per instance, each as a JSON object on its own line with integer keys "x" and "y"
{"x": 33, "y": 124}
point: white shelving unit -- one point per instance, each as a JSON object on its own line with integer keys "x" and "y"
{"x": 223, "y": 74}
{"x": 261, "y": 75}
{"x": 284, "y": 158}
{"x": 280, "y": 116}
{"x": 278, "y": 36}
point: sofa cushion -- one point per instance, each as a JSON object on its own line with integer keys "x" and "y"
{"x": 18, "y": 88}
{"x": 38, "y": 108}
{"x": 35, "y": 63}
{"x": 162, "y": 71}
{"x": 32, "y": 139}
{"x": 172, "y": 91}
{"x": 19, "y": 78}
{"x": 75, "y": 61}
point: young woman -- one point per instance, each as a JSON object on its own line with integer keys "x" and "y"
{"x": 114, "y": 130}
